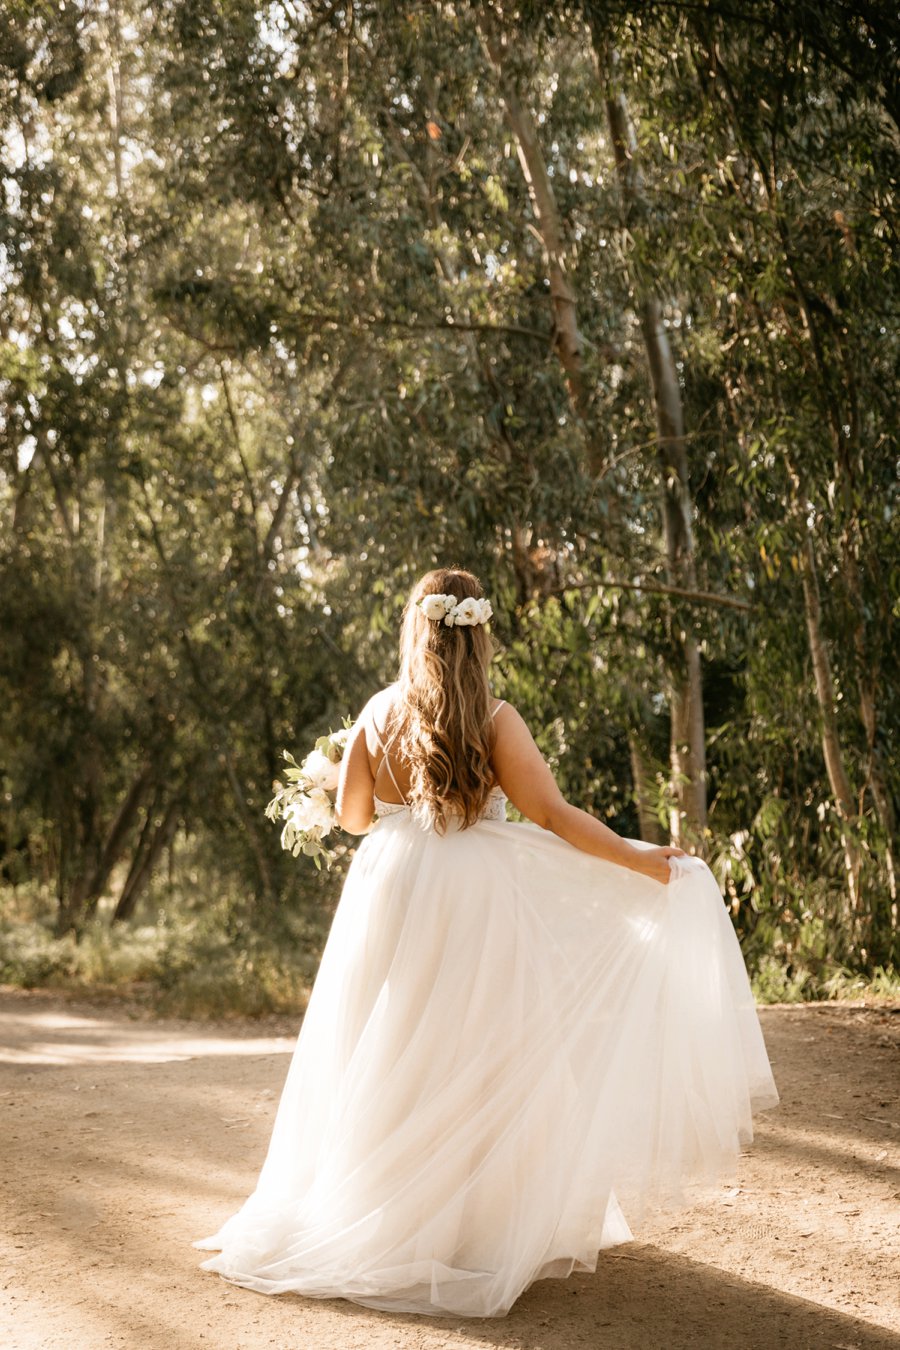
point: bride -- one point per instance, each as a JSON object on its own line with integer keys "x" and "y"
{"x": 520, "y": 1034}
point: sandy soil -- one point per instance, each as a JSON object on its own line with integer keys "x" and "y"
{"x": 125, "y": 1137}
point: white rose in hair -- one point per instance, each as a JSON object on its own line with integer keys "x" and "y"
{"x": 486, "y": 611}
{"x": 468, "y": 612}
{"x": 436, "y": 606}
{"x": 320, "y": 772}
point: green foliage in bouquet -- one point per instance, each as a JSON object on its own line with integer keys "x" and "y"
{"x": 306, "y": 801}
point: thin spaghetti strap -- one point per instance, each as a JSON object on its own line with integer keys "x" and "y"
{"x": 401, "y": 794}
{"x": 387, "y": 761}
{"x": 498, "y": 707}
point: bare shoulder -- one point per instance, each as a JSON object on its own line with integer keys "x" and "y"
{"x": 508, "y": 721}
{"x": 521, "y": 769}
{"x": 514, "y": 744}
{"x": 376, "y": 715}
{"x": 380, "y": 703}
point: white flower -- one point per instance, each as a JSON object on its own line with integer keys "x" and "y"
{"x": 313, "y": 811}
{"x": 320, "y": 771}
{"x": 295, "y": 814}
{"x": 468, "y": 612}
{"x": 437, "y": 606}
{"x": 340, "y": 738}
{"x": 444, "y": 609}
{"x": 321, "y": 810}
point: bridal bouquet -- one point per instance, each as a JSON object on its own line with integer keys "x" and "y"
{"x": 306, "y": 801}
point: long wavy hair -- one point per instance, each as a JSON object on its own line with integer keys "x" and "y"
{"x": 446, "y": 731}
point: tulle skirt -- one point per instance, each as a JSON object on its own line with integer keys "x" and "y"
{"x": 512, "y": 1048}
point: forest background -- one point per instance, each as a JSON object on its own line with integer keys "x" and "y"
{"x": 300, "y": 299}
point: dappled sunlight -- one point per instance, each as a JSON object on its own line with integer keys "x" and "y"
{"x": 118, "y": 1162}
{"x": 61, "y": 1038}
{"x": 143, "y": 1275}
{"x": 841, "y": 1150}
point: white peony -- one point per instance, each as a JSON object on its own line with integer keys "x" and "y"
{"x": 468, "y": 612}
{"x": 321, "y": 810}
{"x": 313, "y": 811}
{"x": 320, "y": 772}
{"x": 444, "y": 609}
{"x": 295, "y": 814}
{"x": 437, "y": 606}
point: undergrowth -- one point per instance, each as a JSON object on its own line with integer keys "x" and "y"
{"x": 199, "y": 961}
{"x": 216, "y": 963}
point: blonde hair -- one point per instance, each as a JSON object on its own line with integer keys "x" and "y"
{"x": 444, "y": 706}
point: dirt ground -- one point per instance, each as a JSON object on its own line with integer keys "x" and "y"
{"x": 123, "y": 1138}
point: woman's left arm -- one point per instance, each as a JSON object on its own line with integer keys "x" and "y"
{"x": 355, "y": 803}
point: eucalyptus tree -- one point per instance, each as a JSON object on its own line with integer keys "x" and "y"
{"x": 596, "y": 299}
{"x": 780, "y": 132}
{"x": 150, "y": 670}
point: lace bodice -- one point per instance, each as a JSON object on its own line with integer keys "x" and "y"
{"x": 495, "y": 807}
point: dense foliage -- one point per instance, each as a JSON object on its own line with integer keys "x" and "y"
{"x": 302, "y": 299}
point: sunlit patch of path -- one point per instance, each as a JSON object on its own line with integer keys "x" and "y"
{"x": 59, "y": 1037}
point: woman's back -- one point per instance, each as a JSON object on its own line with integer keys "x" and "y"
{"x": 391, "y": 776}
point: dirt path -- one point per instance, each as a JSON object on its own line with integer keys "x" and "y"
{"x": 124, "y": 1138}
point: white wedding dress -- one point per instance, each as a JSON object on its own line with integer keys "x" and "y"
{"x": 510, "y": 1047}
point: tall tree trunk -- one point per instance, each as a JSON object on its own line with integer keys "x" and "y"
{"x": 688, "y": 736}
{"x": 92, "y": 885}
{"x": 154, "y": 839}
{"x": 568, "y": 341}
{"x": 688, "y": 742}
{"x": 866, "y": 684}
{"x": 832, "y": 750}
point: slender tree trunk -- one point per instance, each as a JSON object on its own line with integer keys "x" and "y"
{"x": 688, "y": 743}
{"x": 154, "y": 840}
{"x": 688, "y": 735}
{"x": 831, "y": 746}
{"x": 66, "y": 919}
{"x": 832, "y": 751}
{"x": 568, "y": 341}
{"x": 866, "y": 684}
{"x": 94, "y": 883}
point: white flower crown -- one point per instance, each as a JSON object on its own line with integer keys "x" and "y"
{"x": 460, "y": 614}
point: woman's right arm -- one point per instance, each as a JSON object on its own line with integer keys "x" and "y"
{"x": 525, "y": 777}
